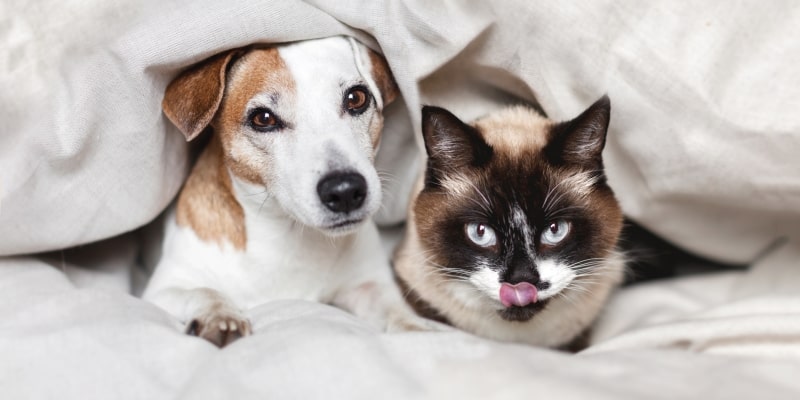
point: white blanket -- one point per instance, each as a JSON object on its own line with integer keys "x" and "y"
{"x": 703, "y": 150}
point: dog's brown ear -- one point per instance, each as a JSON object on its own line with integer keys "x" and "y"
{"x": 192, "y": 99}
{"x": 383, "y": 77}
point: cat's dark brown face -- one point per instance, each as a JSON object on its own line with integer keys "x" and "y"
{"x": 517, "y": 207}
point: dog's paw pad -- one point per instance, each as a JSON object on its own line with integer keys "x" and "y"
{"x": 220, "y": 328}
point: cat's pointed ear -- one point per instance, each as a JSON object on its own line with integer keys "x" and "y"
{"x": 581, "y": 140}
{"x": 450, "y": 143}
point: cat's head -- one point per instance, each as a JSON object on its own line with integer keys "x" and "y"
{"x": 516, "y": 206}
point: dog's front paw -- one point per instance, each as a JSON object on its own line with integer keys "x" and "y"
{"x": 220, "y": 328}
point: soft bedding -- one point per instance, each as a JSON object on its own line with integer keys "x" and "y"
{"x": 703, "y": 151}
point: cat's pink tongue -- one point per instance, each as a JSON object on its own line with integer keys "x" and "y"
{"x": 519, "y": 295}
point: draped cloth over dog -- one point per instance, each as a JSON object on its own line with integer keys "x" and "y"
{"x": 703, "y": 150}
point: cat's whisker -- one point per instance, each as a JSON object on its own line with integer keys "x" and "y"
{"x": 564, "y": 295}
{"x": 483, "y": 207}
{"x": 589, "y": 275}
{"x": 588, "y": 263}
{"x": 591, "y": 259}
{"x": 578, "y": 288}
{"x": 588, "y": 178}
{"x": 438, "y": 270}
{"x": 549, "y": 207}
{"x": 411, "y": 287}
{"x": 549, "y": 193}
{"x": 487, "y": 203}
{"x": 583, "y": 275}
{"x": 560, "y": 212}
{"x": 588, "y": 279}
{"x": 451, "y": 275}
{"x": 582, "y": 283}
{"x": 590, "y": 270}
{"x": 587, "y": 270}
{"x": 548, "y": 197}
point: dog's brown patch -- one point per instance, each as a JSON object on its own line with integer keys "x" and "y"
{"x": 388, "y": 88}
{"x": 383, "y": 77}
{"x": 261, "y": 70}
{"x": 207, "y": 203}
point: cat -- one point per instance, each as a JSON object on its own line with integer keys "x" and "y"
{"x": 513, "y": 233}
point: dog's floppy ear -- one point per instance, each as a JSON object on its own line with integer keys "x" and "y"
{"x": 192, "y": 99}
{"x": 380, "y": 75}
{"x": 383, "y": 77}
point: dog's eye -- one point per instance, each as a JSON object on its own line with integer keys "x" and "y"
{"x": 356, "y": 100}
{"x": 263, "y": 119}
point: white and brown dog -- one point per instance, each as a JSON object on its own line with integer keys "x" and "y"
{"x": 279, "y": 204}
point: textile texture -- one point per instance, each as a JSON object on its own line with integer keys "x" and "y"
{"x": 702, "y": 150}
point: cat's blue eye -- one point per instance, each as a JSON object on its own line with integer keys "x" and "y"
{"x": 555, "y": 232}
{"x": 481, "y": 234}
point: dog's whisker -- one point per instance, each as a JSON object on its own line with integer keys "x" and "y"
{"x": 262, "y": 204}
{"x": 387, "y": 177}
{"x": 256, "y": 193}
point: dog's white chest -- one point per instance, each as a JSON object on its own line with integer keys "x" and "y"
{"x": 280, "y": 262}
{"x": 286, "y": 261}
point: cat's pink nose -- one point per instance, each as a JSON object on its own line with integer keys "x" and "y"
{"x": 519, "y": 295}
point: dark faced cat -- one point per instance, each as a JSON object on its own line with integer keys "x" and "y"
{"x": 513, "y": 233}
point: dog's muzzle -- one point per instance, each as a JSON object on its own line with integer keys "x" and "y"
{"x": 342, "y": 192}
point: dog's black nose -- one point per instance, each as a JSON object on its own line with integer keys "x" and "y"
{"x": 342, "y": 192}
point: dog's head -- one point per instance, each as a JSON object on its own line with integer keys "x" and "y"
{"x": 303, "y": 120}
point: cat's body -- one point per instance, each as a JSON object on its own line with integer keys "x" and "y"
{"x": 513, "y": 232}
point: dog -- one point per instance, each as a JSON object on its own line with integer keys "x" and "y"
{"x": 279, "y": 203}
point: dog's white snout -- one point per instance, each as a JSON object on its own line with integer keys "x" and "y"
{"x": 342, "y": 192}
